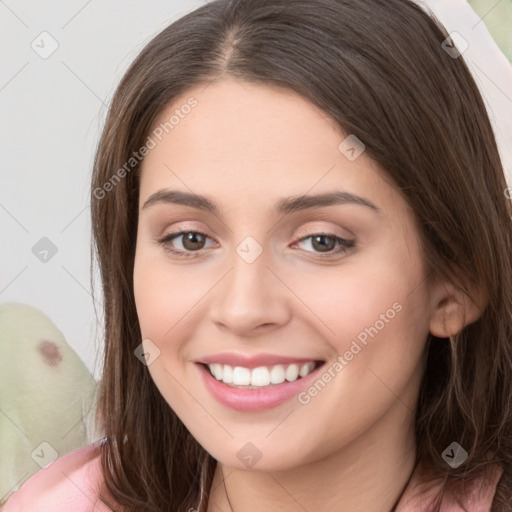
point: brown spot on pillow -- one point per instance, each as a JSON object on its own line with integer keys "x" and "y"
{"x": 50, "y": 352}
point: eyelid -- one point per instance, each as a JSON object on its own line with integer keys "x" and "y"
{"x": 167, "y": 237}
{"x": 327, "y": 232}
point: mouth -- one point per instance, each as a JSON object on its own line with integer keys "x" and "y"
{"x": 261, "y": 377}
{"x": 251, "y": 390}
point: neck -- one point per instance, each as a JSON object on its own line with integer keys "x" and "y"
{"x": 370, "y": 472}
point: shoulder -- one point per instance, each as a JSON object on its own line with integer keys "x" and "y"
{"x": 70, "y": 484}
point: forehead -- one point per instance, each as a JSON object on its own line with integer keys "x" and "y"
{"x": 242, "y": 141}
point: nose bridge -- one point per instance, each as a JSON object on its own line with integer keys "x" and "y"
{"x": 250, "y": 294}
{"x": 248, "y": 282}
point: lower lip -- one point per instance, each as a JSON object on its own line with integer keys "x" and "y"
{"x": 249, "y": 400}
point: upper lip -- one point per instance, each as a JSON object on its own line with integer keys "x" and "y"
{"x": 254, "y": 361}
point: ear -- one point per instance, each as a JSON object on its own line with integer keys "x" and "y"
{"x": 453, "y": 308}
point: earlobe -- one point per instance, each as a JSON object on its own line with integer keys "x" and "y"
{"x": 455, "y": 310}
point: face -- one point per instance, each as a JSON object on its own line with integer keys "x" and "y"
{"x": 262, "y": 287}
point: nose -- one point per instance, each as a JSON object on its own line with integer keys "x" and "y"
{"x": 251, "y": 298}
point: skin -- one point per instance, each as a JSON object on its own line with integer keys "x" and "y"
{"x": 246, "y": 146}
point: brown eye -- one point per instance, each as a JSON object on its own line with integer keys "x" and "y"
{"x": 325, "y": 243}
{"x": 191, "y": 241}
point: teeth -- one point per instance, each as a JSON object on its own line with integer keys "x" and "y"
{"x": 227, "y": 375}
{"x": 241, "y": 376}
{"x": 304, "y": 369}
{"x": 277, "y": 374}
{"x": 291, "y": 373}
{"x": 216, "y": 369}
{"x": 261, "y": 376}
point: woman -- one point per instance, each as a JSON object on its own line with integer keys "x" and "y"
{"x": 304, "y": 237}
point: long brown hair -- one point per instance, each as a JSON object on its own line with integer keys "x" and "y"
{"x": 379, "y": 69}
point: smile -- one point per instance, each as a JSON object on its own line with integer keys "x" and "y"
{"x": 257, "y": 388}
{"x": 263, "y": 376}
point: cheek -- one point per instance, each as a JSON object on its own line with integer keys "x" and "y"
{"x": 355, "y": 297}
{"x": 165, "y": 293}
{"x": 162, "y": 305}
{"x": 371, "y": 312}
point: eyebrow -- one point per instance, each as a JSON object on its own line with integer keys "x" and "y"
{"x": 284, "y": 206}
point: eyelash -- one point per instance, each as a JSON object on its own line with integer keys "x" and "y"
{"x": 345, "y": 244}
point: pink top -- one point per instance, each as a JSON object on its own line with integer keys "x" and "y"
{"x": 69, "y": 484}
{"x": 72, "y": 483}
